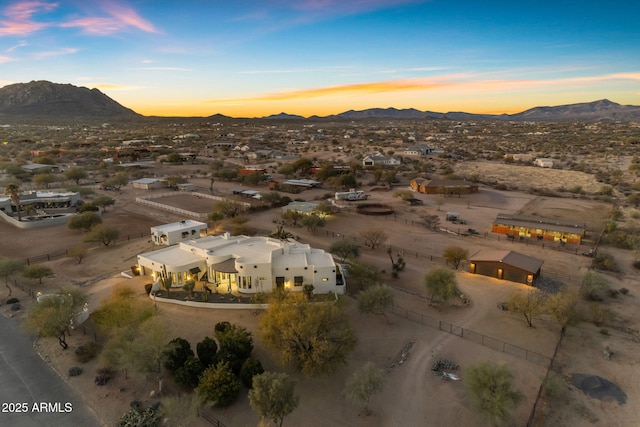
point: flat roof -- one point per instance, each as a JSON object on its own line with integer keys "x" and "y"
{"x": 180, "y": 225}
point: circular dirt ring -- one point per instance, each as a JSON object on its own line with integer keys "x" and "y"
{"x": 375, "y": 209}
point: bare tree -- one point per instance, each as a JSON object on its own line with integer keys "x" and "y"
{"x": 374, "y": 237}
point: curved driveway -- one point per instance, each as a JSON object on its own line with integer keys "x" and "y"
{"x": 31, "y": 393}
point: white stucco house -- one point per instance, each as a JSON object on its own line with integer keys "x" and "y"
{"x": 246, "y": 265}
{"x": 543, "y": 162}
{"x": 176, "y": 232}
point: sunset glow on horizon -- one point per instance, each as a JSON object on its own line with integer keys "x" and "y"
{"x": 253, "y": 59}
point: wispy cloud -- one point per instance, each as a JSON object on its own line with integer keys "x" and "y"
{"x": 160, "y": 69}
{"x": 466, "y": 82}
{"x": 120, "y": 17}
{"x": 4, "y": 59}
{"x": 18, "y": 18}
{"x": 58, "y": 52}
{"x": 14, "y": 47}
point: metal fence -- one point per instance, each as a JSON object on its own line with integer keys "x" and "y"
{"x": 476, "y": 337}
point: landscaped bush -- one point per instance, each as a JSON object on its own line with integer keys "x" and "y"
{"x": 219, "y": 385}
{"x": 207, "y": 349}
{"x": 236, "y": 345}
{"x": 86, "y": 352}
{"x": 177, "y": 352}
{"x": 189, "y": 373}
{"x": 250, "y": 368}
{"x": 221, "y": 327}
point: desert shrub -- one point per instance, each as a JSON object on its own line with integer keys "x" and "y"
{"x": 553, "y": 384}
{"x": 594, "y": 286}
{"x": 605, "y": 261}
{"x": 13, "y": 300}
{"x": 600, "y": 315}
{"x": 74, "y": 371}
{"x": 613, "y": 293}
{"x": 250, "y": 368}
{"x": 177, "y": 352}
{"x": 636, "y": 264}
{"x": 624, "y": 291}
{"x": 86, "y": 352}
{"x": 604, "y": 331}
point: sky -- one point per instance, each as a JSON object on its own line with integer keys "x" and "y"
{"x": 247, "y": 58}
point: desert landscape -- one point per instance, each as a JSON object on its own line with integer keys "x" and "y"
{"x": 412, "y": 395}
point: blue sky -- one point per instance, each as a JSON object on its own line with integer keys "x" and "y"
{"x": 249, "y": 58}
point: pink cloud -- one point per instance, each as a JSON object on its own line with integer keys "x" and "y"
{"x": 120, "y": 17}
{"x": 18, "y": 18}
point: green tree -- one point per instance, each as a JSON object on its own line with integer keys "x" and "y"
{"x": 13, "y": 191}
{"x": 37, "y": 271}
{"x": 229, "y": 208}
{"x": 364, "y": 383}
{"x": 345, "y": 249}
{"x": 562, "y": 306}
{"x": 75, "y": 174}
{"x": 291, "y": 216}
{"x": 441, "y": 284}
{"x": 103, "y": 202}
{"x": 529, "y": 305}
{"x": 77, "y": 252}
{"x": 219, "y": 385}
{"x": 121, "y": 310}
{"x": 455, "y": 255}
{"x": 53, "y": 315}
{"x": 102, "y": 233}
{"x": 273, "y": 396}
{"x": 360, "y": 276}
{"x": 492, "y": 392}
{"x": 147, "y": 348}
{"x": 236, "y": 345}
{"x": 42, "y": 180}
{"x": 374, "y": 237}
{"x": 84, "y": 221}
{"x": 313, "y": 222}
{"x": 9, "y": 267}
{"x": 118, "y": 181}
{"x": 375, "y": 300}
{"x": 317, "y": 338}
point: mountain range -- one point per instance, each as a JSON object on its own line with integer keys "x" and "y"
{"x": 46, "y": 100}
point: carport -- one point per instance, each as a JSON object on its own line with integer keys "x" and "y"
{"x": 505, "y": 265}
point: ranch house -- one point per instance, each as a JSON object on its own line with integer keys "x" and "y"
{"x": 246, "y": 265}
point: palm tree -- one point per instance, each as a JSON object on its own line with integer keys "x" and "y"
{"x": 281, "y": 234}
{"x": 13, "y": 191}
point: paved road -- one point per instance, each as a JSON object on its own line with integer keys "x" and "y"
{"x": 26, "y": 380}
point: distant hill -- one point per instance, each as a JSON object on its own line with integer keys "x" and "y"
{"x": 283, "y": 116}
{"x": 46, "y": 100}
{"x": 588, "y": 111}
